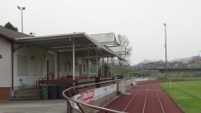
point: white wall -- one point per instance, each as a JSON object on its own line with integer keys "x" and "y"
{"x": 65, "y": 65}
{"x": 80, "y": 61}
{"x": 64, "y": 68}
{"x": 5, "y": 63}
{"x": 33, "y": 54}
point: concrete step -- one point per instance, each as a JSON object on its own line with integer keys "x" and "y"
{"x": 24, "y": 98}
{"x": 26, "y": 94}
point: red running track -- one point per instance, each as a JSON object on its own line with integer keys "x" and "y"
{"x": 145, "y": 98}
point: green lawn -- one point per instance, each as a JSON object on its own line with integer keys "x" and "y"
{"x": 186, "y": 94}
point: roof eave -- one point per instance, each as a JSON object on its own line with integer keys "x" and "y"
{"x": 8, "y": 38}
{"x": 104, "y": 48}
{"x": 25, "y": 39}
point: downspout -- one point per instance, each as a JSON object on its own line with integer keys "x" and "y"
{"x": 13, "y": 49}
{"x": 73, "y": 61}
{"x": 12, "y": 68}
{"x": 103, "y": 69}
{"x": 108, "y": 67}
{"x": 58, "y": 64}
{"x": 97, "y": 64}
{"x": 88, "y": 64}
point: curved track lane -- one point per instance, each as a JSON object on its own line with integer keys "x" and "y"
{"x": 145, "y": 98}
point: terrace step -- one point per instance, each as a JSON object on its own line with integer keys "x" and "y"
{"x": 24, "y": 98}
{"x": 27, "y": 94}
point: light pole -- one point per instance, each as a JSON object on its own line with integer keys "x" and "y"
{"x": 21, "y": 8}
{"x": 199, "y": 54}
{"x": 198, "y": 60}
{"x": 165, "y": 49}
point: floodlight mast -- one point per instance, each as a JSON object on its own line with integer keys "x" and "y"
{"x": 165, "y": 49}
{"x": 21, "y": 8}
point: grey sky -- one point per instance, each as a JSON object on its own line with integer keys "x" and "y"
{"x": 140, "y": 20}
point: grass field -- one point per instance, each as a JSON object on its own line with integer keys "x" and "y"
{"x": 186, "y": 94}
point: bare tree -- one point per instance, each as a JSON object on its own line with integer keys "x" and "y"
{"x": 123, "y": 40}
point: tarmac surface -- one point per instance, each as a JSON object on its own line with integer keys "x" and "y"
{"x": 33, "y": 106}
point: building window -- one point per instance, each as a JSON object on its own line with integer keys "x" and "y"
{"x": 22, "y": 65}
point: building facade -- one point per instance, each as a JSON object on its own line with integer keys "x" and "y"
{"x": 26, "y": 59}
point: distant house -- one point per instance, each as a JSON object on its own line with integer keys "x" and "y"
{"x": 179, "y": 65}
{"x": 24, "y": 59}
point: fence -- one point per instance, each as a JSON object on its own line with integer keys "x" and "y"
{"x": 88, "y": 97}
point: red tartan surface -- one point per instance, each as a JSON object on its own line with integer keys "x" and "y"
{"x": 146, "y": 97}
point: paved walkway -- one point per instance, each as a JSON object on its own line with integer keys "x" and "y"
{"x": 33, "y": 106}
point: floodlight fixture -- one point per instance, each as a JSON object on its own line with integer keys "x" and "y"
{"x": 21, "y": 9}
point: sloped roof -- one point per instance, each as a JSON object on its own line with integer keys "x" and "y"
{"x": 10, "y": 34}
{"x": 63, "y": 43}
{"x": 105, "y": 38}
{"x": 60, "y": 43}
{"x": 104, "y": 47}
{"x": 120, "y": 50}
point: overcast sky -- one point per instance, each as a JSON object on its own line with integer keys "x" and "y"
{"x": 142, "y": 21}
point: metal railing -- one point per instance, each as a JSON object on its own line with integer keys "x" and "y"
{"x": 79, "y": 104}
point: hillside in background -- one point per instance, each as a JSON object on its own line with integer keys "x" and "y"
{"x": 192, "y": 62}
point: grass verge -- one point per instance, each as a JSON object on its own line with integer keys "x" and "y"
{"x": 186, "y": 94}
